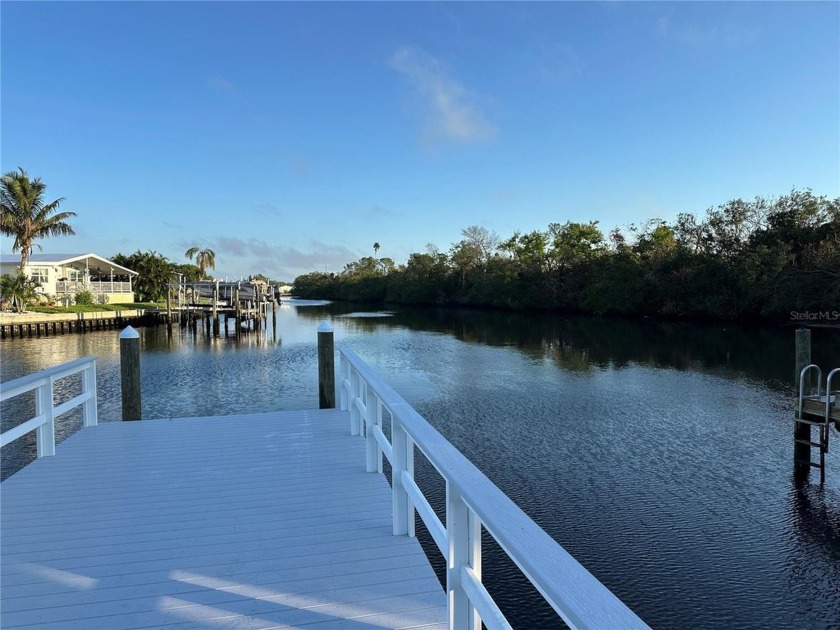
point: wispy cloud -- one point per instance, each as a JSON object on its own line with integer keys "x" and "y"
{"x": 706, "y": 36}
{"x": 266, "y": 210}
{"x": 500, "y": 195}
{"x": 300, "y": 166}
{"x": 379, "y": 213}
{"x": 220, "y": 83}
{"x": 556, "y": 62}
{"x": 251, "y": 256}
{"x": 452, "y": 111}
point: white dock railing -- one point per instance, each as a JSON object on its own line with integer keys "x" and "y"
{"x": 46, "y": 411}
{"x": 472, "y": 502}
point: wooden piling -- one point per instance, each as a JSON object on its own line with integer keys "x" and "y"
{"x": 169, "y": 310}
{"x": 238, "y": 308}
{"x": 801, "y": 431}
{"x": 130, "y": 373}
{"x": 216, "y": 309}
{"x": 326, "y": 366}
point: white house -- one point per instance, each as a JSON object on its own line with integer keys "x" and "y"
{"x": 64, "y": 275}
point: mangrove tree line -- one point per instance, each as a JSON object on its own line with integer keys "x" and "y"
{"x": 764, "y": 258}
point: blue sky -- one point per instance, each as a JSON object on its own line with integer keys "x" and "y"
{"x": 289, "y": 137}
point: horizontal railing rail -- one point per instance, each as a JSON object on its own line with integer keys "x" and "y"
{"x": 95, "y": 286}
{"x": 473, "y": 502}
{"x": 46, "y": 411}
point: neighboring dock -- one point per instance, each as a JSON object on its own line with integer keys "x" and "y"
{"x": 37, "y": 324}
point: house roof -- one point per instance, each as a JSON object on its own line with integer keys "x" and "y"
{"x": 91, "y": 261}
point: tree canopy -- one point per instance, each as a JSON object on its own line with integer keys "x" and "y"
{"x": 741, "y": 261}
{"x": 26, "y": 217}
{"x": 205, "y": 258}
{"x": 155, "y": 273}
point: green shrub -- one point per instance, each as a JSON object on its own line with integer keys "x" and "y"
{"x": 84, "y": 297}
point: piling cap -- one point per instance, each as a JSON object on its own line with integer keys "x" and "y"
{"x": 129, "y": 333}
{"x": 325, "y": 327}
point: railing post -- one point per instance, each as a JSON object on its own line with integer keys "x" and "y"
{"x": 343, "y": 370}
{"x": 400, "y": 507}
{"x": 378, "y": 422}
{"x": 463, "y": 531}
{"x": 371, "y": 444}
{"x": 355, "y": 421}
{"x": 326, "y": 366}
{"x": 89, "y": 408}
{"x": 45, "y": 436}
{"x": 130, "y": 373}
{"x": 801, "y": 431}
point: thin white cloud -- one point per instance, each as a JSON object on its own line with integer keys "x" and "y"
{"x": 221, "y": 84}
{"x": 379, "y": 213}
{"x": 251, "y": 256}
{"x": 300, "y": 166}
{"x": 556, "y": 62}
{"x": 266, "y": 209}
{"x": 706, "y": 36}
{"x": 452, "y": 111}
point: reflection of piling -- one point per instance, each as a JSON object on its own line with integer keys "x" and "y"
{"x": 130, "y": 373}
{"x": 238, "y": 308}
{"x": 216, "y": 309}
{"x": 802, "y": 431}
{"x": 326, "y": 367}
{"x": 168, "y": 311}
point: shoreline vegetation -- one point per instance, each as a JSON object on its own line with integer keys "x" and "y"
{"x": 770, "y": 260}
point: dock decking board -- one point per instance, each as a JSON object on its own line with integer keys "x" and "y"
{"x": 257, "y": 521}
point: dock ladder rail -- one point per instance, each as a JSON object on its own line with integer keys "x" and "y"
{"x": 46, "y": 411}
{"x": 473, "y": 503}
{"x": 816, "y": 410}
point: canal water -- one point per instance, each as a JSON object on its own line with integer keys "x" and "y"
{"x": 658, "y": 454}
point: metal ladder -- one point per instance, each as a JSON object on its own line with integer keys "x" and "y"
{"x": 816, "y": 418}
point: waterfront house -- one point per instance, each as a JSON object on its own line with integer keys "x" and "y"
{"x": 62, "y": 276}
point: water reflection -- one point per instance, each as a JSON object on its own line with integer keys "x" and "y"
{"x": 586, "y": 343}
{"x": 659, "y": 454}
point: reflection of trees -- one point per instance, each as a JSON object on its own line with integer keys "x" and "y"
{"x": 579, "y": 342}
{"x": 814, "y": 515}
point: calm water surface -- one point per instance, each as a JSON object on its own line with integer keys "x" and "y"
{"x": 659, "y": 455}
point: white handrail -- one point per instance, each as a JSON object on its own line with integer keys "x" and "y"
{"x": 472, "y": 502}
{"x": 46, "y": 411}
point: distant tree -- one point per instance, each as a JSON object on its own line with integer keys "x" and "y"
{"x": 25, "y": 216}
{"x": 466, "y": 256}
{"x": 204, "y": 259}
{"x": 155, "y": 273}
{"x": 481, "y": 239}
{"x": 375, "y": 249}
{"x": 188, "y": 271}
{"x": 364, "y": 267}
{"x": 573, "y": 243}
{"x": 528, "y": 250}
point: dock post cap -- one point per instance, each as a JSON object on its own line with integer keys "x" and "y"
{"x": 129, "y": 333}
{"x": 325, "y": 327}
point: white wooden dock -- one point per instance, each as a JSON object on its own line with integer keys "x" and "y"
{"x": 262, "y": 521}
{"x": 258, "y": 521}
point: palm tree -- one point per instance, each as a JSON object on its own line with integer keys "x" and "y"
{"x": 204, "y": 259}
{"x": 375, "y": 249}
{"x": 24, "y": 215}
{"x": 18, "y": 290}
